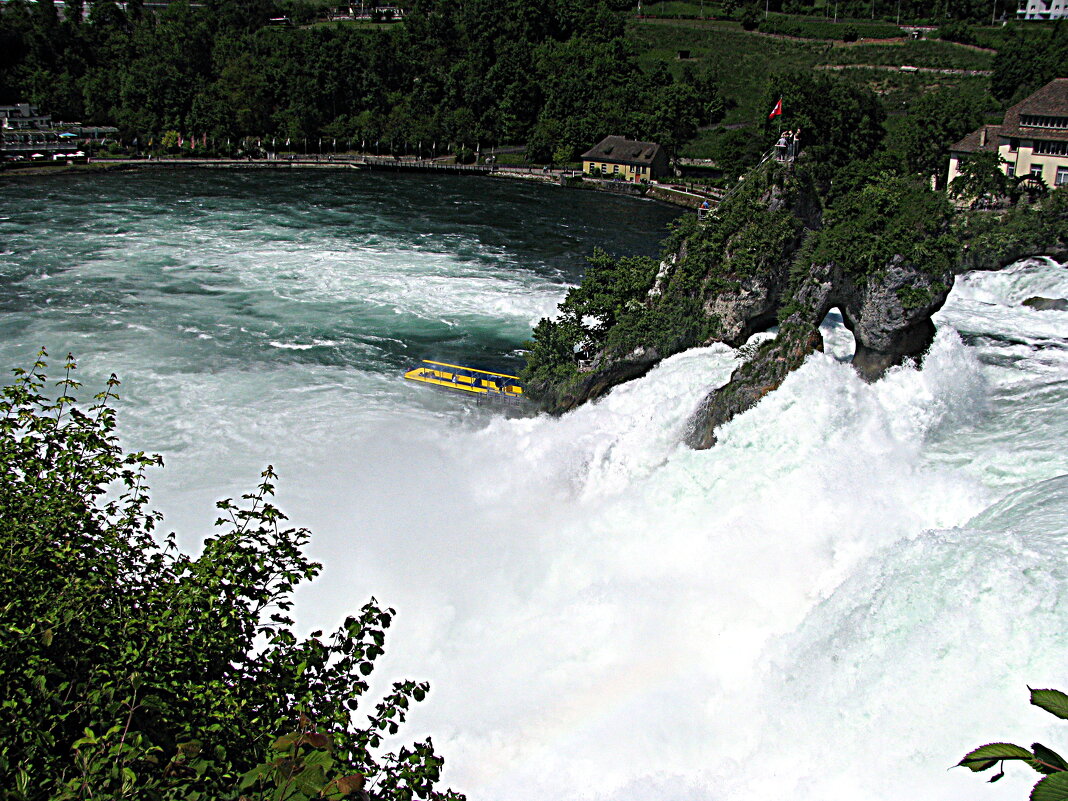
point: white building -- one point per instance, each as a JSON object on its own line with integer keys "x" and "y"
{"x": 25, "y": 132}
{"x": 1042, "y": 9}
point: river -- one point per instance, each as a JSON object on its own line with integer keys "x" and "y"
{"x": 853, "y": 588}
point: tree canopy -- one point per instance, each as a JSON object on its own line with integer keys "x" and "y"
{"x": 558, "y": 74}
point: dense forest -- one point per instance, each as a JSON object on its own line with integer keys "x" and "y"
{"x": 555, "y": 74}
{"x": 551, "y": 75}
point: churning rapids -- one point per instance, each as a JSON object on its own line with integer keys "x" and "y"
{"x": 842, "y": 597}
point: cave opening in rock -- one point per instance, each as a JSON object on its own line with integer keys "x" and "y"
{"x": 838, "y": 340}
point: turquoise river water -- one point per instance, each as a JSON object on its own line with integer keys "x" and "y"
{"x": 846, "y": 594}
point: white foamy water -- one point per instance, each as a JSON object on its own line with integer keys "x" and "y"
{"x": 853, "y": 588}
{"x": 809, "y": 610}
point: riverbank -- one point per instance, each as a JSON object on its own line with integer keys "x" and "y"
{"x": 547, "y": 175}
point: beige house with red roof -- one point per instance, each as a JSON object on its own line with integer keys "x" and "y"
{"x": 1033, "y": 137}
{"x": 617, "y": 157}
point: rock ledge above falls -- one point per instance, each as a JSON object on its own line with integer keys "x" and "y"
{"x": 774, "y": 254}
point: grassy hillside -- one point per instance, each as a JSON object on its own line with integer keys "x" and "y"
{"x": 740, "y": 60}
{"x": 744, "y": 62}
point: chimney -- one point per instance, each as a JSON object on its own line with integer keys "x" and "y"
{"x": 982, "y": 136}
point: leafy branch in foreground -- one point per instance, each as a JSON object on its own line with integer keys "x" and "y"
{"x": 1054, "y": 785}
{"x": 131, "y": 670}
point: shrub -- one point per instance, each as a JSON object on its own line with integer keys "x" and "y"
{"x": 956, "y": 31}
{"x": 824, "y": 29}
{"x": 890, "y": 216}
{"x": 1054, "y": 785}
{"x": 130, "y": 670}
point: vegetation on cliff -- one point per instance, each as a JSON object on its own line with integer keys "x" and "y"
{"x": 997, "y": 238}
{"x": 794, "y": 240}
{"x": 634, "y": 310}
{"x": 130, "y": 670}
{"x": 893, "y": 215}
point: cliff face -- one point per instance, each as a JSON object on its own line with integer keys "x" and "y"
{"x": 884, "y": 255}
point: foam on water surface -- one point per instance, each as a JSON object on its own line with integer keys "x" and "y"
{"x": 843, "y": 596}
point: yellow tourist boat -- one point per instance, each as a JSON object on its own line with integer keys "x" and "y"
{"x": 481, "y": 384}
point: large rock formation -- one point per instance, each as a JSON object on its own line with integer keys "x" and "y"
{"x": 884, "y": 255}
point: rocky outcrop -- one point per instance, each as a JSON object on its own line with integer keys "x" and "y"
{"x": 751, "y": 381}
{"x": 890, "y": 317}
{"x": 1047, "y": 304}
{"x": 884, "y": 255}
{"x": 592, "y": 381}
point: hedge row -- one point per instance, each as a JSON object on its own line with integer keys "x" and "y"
{"x": 824, "y": 29}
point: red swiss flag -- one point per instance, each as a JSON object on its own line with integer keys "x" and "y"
{"x": 775, "y": 112}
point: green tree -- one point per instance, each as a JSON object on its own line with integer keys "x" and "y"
{"x": 610, "y": 288}
{"x": 982, "y": 178}
{"x": 931, "y": 125}
{"x": 889, "y": 216}
{"x": 839, "y": 122}
{"x": 130, "y": 670}
{"x": 1029, "y": 61}
{"x": 676, "y": 115}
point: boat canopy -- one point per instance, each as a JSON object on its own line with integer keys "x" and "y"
{"x": 466, "y": 379}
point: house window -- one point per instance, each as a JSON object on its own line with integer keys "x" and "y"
{"x": 1014, "y": 144}
{"x": 1036, "y": 170}
{"x": 1040, "y": 121}
{"x": 1010, "y": 170}
{"x": 1047, "y": 148}
{"x": 1062, "y": 176}
{"x": 615, "y": 168}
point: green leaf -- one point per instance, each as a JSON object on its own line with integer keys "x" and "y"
{"x": 285, "y": 742}
{"x": 311, "y": 779}
{"x": 986, "y": 756}
{"x": 129, "y": 779}
{"x": 318, "y": 740}
{"x": 320, "y": 758}
{"x": 347, "y": 785}
{"x": 1053, "y": 761}
{"x": 191, "y": 748}
{"x": 1051, "y": 788}
{"x": 253, "y": 776}
{"x": 1053, "y": 701}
